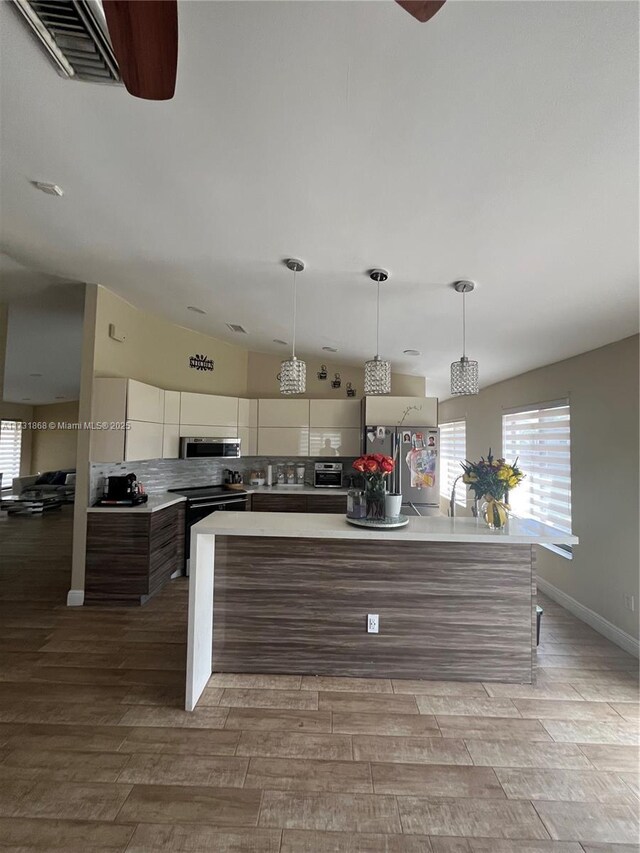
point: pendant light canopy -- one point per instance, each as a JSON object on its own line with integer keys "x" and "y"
{"x": 377, "y": 371}
{"x": 293, "y": 372}
{"x": 464, "y": 373}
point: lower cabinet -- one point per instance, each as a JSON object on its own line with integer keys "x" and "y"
{"x": 132, "y": 555}
{"x": 299, "y": 503}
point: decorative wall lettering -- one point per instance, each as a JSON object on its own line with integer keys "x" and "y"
{"x": 322, "y": 373}
{"x": 200, "y": 362}
{"x": 351, "y": 391}
{"x": 336, "y": 382}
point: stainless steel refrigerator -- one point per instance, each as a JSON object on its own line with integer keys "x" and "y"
{"x": 415, "y": 450}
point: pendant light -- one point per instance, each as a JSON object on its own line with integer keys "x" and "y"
{"x": 377, "y": 371}
{"x": 464, "y": 373}
{"x": 293, "y": 372}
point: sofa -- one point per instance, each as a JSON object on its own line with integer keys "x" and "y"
{"x": 50, "y": 483}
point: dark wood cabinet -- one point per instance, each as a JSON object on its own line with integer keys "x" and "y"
{"x": 299, "y": 503}
{"x": 130, "y": 556}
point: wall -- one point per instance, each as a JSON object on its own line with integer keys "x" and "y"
{"x": 157, "y": 352}
{"x": 54, "y": 449}
{"x": 602, "y": 386}
{"x": 14, "y": 411}
{"x": 263, "y": 370}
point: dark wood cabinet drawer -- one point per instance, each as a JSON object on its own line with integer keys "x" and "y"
{"x": 327, "y": 503}
{"x": 279, "y": 503}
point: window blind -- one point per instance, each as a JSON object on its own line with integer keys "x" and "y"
{"x": 10, "y": 447}
{"x": 453, "y": 451}
{"x": 541, "y": 439}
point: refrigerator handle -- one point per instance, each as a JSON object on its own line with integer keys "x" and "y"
{"x": 397, "y": 450}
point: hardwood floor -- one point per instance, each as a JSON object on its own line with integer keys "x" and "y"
{"x": 97, "y": 755}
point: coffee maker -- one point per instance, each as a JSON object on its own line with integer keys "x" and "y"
{"x": 124, "y": 491}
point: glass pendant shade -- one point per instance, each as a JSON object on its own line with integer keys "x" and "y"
{"x": 293, "y": 376}
{"x": 464, "y": 377}
{"x": 377, "y": 377}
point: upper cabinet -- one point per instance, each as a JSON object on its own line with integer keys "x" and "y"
{"x": 248, "y": 413}
{"x": 208, "y": 410}
{"x": 390, "y": 411}
{"x": 171, "y": 407}
{"x": 335, "y": 413}
{"x": 144, "y": 402}
{"x": 283, "y": 413}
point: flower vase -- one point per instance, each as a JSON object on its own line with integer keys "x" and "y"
{"x": 495, "y": 513}
{"x": 374, "y": 496}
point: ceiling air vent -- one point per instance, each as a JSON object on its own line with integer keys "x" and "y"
{"x": 234, "y": 327}
{"x": 74, "y": 36}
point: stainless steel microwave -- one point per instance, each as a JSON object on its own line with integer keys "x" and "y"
{"x": 194, "y": 447}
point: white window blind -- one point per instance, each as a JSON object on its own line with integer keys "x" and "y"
{"x": 10, "y": 446}
{"x": 541, "y": 439}
{"x": 453, "y": 451}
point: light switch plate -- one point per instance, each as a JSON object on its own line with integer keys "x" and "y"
{"x": 372, "y": 623}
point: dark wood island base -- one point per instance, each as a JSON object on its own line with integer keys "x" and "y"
{"x": 447, "y": 610}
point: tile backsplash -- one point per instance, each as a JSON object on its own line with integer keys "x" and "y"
{"x": 158, "y": 475}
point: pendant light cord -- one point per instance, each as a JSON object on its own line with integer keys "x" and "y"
{"x": 378, "y": 324}
{"x": 293, "y": 337}
{"x": 464, "y": 324}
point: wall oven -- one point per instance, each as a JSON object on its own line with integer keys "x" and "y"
{"x": 327, "y": 475}
{"x": 194, "y": 447}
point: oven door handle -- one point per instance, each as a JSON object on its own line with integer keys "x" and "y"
{"x": 206, "y": 503}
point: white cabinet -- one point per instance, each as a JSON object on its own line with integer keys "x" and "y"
{"x": 283, "y": 441}
{"x": 170, "y": 441}
{"x": 213, "y": 431}
{"x": 143, "y": 441}
{"x": 390, "y": 411}
{"x": 109, "y": 406}
{"x": 171, "y": 407}
{"x": 144, "y": 402}
{"x": 335, "y": 413}
{"x": 334, "y": 441}
{"x": 248, "y": 440}
{"x": 208, "y": 410}
{"x": 247, "y": 413}
{"x": 283, "y": 413}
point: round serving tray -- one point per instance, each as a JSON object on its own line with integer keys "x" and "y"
{"x": 379, "y": 523}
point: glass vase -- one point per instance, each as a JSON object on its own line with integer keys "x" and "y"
{"x": 495, "y": 514}
{"x": 374, "y": 496}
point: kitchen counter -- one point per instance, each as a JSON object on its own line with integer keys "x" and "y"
{"x": 288, "y": 490}
{"x": 154, "y": 504}
{"x": 290, "y": 592}
{"x": 424, "y": 529}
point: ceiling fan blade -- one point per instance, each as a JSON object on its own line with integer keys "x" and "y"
{"x": 144, "y": 37}
{"x": 422, "y": 10}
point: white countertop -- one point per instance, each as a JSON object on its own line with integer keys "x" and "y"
{"x": 331, "y": 526}
{"x": 155, "y": 503}
{"x": 291, "y": 490}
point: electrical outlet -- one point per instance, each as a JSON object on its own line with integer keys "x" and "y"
{"x": 372, "y": 623}
{"x": 629, "y": 602}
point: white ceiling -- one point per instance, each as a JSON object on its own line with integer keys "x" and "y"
{"x": 497, "y": 142}
{"x": 44, "y": 335}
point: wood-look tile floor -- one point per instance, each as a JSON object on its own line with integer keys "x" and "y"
{"x": 97, "y": 755}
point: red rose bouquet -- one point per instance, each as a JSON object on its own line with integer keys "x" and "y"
{"x": 374, "y": 467}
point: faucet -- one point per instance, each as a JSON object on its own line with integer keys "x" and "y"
{"x": 452, "y": 501}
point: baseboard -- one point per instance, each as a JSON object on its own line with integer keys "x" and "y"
{"x": 597, "y": 622}
{"x": 75, "y": 598}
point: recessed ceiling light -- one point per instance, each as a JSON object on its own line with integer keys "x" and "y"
{"x": 61, "y": 398}
{"x": 35, "y": 374}
{"x": 195, "y": 310}
{"x": 282, "y": 343}
{"x": 236, "y": 327}
{"x": 50, "y": 189}
{"x": 26, "y": 398}
{"x": 411, "y": 351}
{"x": 330, "y": 349}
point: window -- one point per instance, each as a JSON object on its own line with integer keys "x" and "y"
{"x": 453, "y": 451}
{"x": 541, "y": 439}
{"x": 10, "y": 446}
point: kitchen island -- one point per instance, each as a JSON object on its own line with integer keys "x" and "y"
{"x": 291, "y": 593}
